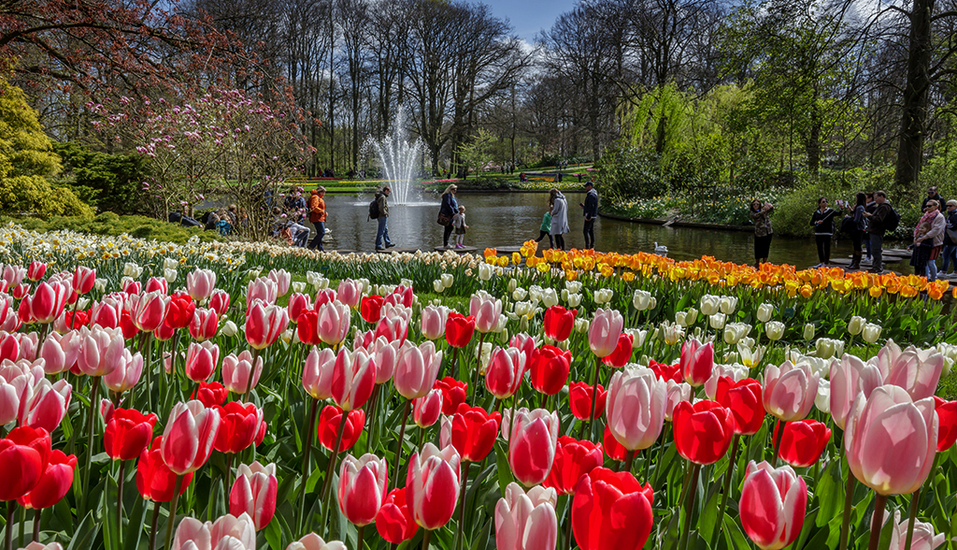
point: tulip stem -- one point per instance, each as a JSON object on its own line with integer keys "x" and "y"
{"x": 89, "y": 442}
{"x": 455, "y": 355}
{"x": 8, "y": 532}
{"x": 119, "y": 501}
{"x": 568, "y": 527}
{"x": 306, "y": 451}
{"x": 156, "y": 515}
{"x": 398, "y": 443}
{"x": 425, "y": 539}
{"x": 914, "y": 503}
{"x": 689, "y": 505}
{"x": 327, "y": 483}
{"x": 848, "y": 502}
{"x": 461, "y": 527}
{"x": 594, "y": 397}
{"x": 478, "y": 367}
{"x": 172, "y": 510}
{"x": 374, "y": 420}
{"x": 252, "y": 370}
{"x": 36, "y": 524}
{"x": 629, "y": 459}
{"x": 728, "y": 475}
{"x": 228, "y": 477}
{"x": 779, "y": 432}
{"x": 880, "y": 502}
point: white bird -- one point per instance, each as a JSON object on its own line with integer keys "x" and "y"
{"x": 661, "y": 250}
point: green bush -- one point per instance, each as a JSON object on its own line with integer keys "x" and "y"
{"x": 35, "y": 196}
{"x": 111, "y": 224}
{"x": 108, "y": 182}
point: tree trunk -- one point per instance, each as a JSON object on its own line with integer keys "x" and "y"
{"x": 914, "y": 118}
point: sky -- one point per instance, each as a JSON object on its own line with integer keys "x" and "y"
{"x": 528, "y": 17}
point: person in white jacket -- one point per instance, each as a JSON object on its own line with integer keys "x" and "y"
{"x": 936, "y": 235}
{"x": 559, "y": 218}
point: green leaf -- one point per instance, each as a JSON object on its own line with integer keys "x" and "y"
{"x": 504, "y": 472}
{"x": 273, "y": 534}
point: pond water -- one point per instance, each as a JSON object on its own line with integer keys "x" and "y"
{"x": 509, "y": 219}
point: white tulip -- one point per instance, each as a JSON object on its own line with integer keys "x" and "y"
{"x": 710, "y": 304}
{"x": 447, "y": 279}
{"x": 717, "y": 321}
{"x": 728, "y": 304}
{"x": 809, "y": 331}
{"x": 774, "y": 330}
{"x": 641, "y": 300}
{"x": 764, "y": 312}
{"x": 519, "y": 294}
{"x": 856, "y": 325}
{"x": 871, "y": 333}
{"x": 438, "y": 286}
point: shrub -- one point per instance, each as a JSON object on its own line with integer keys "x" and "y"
{"x": 108, "y": 182}
{"x": 35, "y": 196}
{"x": 111, "y": 224}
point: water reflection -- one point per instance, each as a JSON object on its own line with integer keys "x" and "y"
{"x": 508, "y": 219}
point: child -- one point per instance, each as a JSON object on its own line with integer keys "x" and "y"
{"x": 921, "y": 250}
{"x": 458, "y": 222}
{"x": 545, "y": 229}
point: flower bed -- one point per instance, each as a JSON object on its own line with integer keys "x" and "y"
{"x": 520, "y": 401}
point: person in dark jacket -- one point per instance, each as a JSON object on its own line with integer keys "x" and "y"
{"x": 950, "y": 244}
{"x": 382, "y": 240}
{"x": 859, "y": 228}
{"x": 823, "y": 223}
{"x": 932, "y": 195}
{"x": 448, "y": 209}
{"x": 590, "y": 211}
{"x": 875, "y": 229}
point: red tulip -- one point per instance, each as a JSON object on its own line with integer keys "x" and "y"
{"x": 472, "y": 432}
{"x": 204, "y": 324}
{"x": 298, "y": 303}
{"x": 459, "y": 329}
{"x": 329, "y": 419}
{"x": 36, "y": 270}
{"x": 237, "y": 370}
{"x": 426, "y": 410}
{"x": 76, "y": 319}
{"x": 604, "y": 331}
{"x": 573, "y": 459}
{"x": 24, "y": 454}
{"x": 83, "y": 279}
{"x": 702, "y": 431}
{"x": 394, "y": 327}
{"x": 54, "y": 484}
{"x": 128, "y": 433}
{"x": 504, "y": 374}
{"x": 363, "y": 483}
{"x": 394, "y": 522}
{"x": 559, "y": 322}
{"x": 371, "y": 307}
{"x": 432, "y": 485}
{"x": 622, "y": 354}
{"x": 453, "y": 393}
{"x": 550, "y": 366}
{"x": 611, "y": 511}
{"x": 526, "y": 521}
{"x": 201, "y": 283}
{"x": 254, "y": 493}
{"x": 219, "y": 301}
{"x": 180, "y": 311}
{"x": 580, "y": 398}
{"x": 130, "y": 286}
{"x": 189, "y": 436}
{"x": 147, "y": 311}
{"x": 743, "y": 398}
{"x": 612, "y": 448}
{"x": 201, "y": 360}
{"x": 947, "y": 422}
{"x": 239, "y": 426}
{"x": 157, "y": 284}
{"x": 353, "y": 378}
{"x": 696, "y": 362}
{"x": 401, "y": 295}
{"x": 45, "y": 405}
{"x": 802, "y": 441}
{"x": 307, "y": 327}
{"x": 154, "y": 480}
{"x": 210, "y": 394}
{"x": 532, "y": 438}
{"x": 773, "y": 504}
{"x": 264, "y": 324}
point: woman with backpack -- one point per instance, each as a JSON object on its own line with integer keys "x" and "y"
{"x": 448, "y": 209}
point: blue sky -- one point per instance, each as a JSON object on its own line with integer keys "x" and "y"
{"x": 528, "y": 17}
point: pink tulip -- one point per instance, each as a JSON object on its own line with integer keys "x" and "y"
{"x": 363, "y": 484}
{"x": 45, "y": 404}
{"x": 318, "y": 372}
{"x": 402, "y": 295}
{"x": 635, "y": 407}
{"x": 297, "y": 304}
{"x": 204, "y": 324}
{"x": 9, "y": 347}
{"x": 157, "y": 284}
{"x": 696, "y": 362}
{"x": 504, "y": 374}
{"x": 130, "y": 286}
{"x": 36, "y": 270}
{"x": 393, "y": 326}
{"x": 127, "y": 372}
{"x": 486, "y": 309}
{"x": 773, "y": 504}
{"x": 324, "y": 296}
{"x": 525, "y": 343}
{"x": 201, "y": 360}
{"x": 386, "y": 354}
{"x": 83, "y": 279}
{"x": 59, "y": 351}
{"x": 676, "y": 394}
{"x": 264, "y": 324}
{"x": 849, "y": 376}
{"x": 531, "y": 445}
{"x": 12, "y": 321}
{"x": 789, "y": 391}
{"x": 432, "y": 485}
{"x": 219, "y": 301}
{"x": 604, "y": 331}
{"x": 12, "y": 391}
{"x": 433, "y": 321}
{"x": 416, "y": 369}
{"x": 313, "y": 541}
{"x": 254, "y": 493}
{"x": 526, "y": 521}
{"x": 200, "y": 284}
{"x": 917, "y": 371}
{"x": 108, "y": 312}
{"x": 282, "y": 278}
{"x": 47, "y": 301}
{"x": 349, "y": 293}
{"x": 13, "y": 274}
{"x": 189, "y": 436}
{"x": 226, "y": 533}
{"x": 263, "y": 289}
{"x": 891, "y": 440}
{"x": 147, "y": 311}
{"x": 333, "y": 323}
{"x": 236, "y": 371}
{"x": 101, "y": 351}
{"x": 426, "y": 409}
{"x": 353, "y": 378}
{"x": 924, "y": 537}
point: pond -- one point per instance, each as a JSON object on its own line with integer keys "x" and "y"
{"x": 509, "y": 219}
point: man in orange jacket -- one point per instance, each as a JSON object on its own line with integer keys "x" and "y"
{"x": 317, "y": 215}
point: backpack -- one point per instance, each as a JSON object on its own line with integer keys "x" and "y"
{"x": 374, "y": 208}
{"x": 892, "y": 220}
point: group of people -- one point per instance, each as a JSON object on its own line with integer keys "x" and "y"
{"x": 555, "y": 221}
{"x": 452, "y": 218}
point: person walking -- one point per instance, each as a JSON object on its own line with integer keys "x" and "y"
{"x": 950, "y": 237}
{"x": 822, "y": 220}
{"x": 447, "y": 211}
{"x": 934, "y": 235}
{"x": 317, "y": 216}
{"x": 760, "y": 215}
{"x": 382, "y": 234}
{"x": 458, "y": 221}
{"x": 590, "y": 211}
{"x": 875, "y": 229}
{"x": 858, "y": 230}
{"x": 559, "y": 217}
{"x": 546, "y": 227}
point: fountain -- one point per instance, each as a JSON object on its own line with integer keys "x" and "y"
{"x": 400, "y": 159}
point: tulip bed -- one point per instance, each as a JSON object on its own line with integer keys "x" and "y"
{"x": 240, "y": 396}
